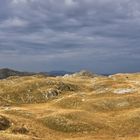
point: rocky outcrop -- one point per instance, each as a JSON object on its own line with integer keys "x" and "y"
{"x": 4, "y": 123}
{"x": 82, "y": 73}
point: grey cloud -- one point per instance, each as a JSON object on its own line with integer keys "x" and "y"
{"x": 70, "y": 34}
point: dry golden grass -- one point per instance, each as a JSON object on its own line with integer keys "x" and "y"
{"x": 71, "y": 107}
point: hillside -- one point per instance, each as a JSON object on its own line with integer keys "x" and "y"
{"x": 80, "y": 106}
{"x": 5, "y": 73}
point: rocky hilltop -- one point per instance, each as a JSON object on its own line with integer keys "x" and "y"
{"x": 79, "y": 106}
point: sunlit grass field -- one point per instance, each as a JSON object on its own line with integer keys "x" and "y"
{"x": 71, "y": 107}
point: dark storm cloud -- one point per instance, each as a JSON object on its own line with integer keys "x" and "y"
{"x": 102, "y": 35}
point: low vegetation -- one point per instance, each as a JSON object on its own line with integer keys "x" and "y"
{"x": 72, "y": 107}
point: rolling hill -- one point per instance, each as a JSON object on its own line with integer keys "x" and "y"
{"x": 79, "y": 106}
{"x": 6, "y": 72}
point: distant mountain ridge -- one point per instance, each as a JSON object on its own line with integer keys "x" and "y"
{"x": 6, "y": 72}
{"x": 59, "y": 73}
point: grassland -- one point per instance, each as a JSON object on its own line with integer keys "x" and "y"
{"x": 71, "y": 107}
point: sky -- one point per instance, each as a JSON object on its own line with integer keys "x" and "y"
{"x": 102, "y": 36}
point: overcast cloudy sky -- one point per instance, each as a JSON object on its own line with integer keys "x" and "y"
{"x": 42, "y": 35}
